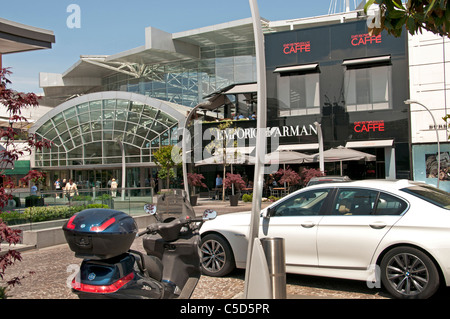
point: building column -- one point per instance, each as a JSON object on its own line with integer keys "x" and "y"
{"x": 389, "y": 162}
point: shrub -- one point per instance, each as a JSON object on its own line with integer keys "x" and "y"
{"x": 247, "y": 197}
{"x": 41, "y": 214}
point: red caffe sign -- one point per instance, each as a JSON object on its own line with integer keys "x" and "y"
{"x": 364, "y": 39}
{"x": 369, "y": 126}
{"x": 297, "y": 47}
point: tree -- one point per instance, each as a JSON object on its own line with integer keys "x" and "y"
{"x": 195, "y": 180}
{"x": 307, "y": 174}
{"x": 14, "y": 102}
{"x": 415, "y": 15}
{"x": 288, "y": 176}
{"x": 167, "y": 158}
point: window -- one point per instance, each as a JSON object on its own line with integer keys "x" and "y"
{"x": 430, "y": 194}
{"x": 355, "y": 202}
{"x": 367, "y": 84}
{"x": 304, "y": 204}
{"x": 390, "y": 205}
{"x": 364, "y": 202}
{"x": 298, "y": 90}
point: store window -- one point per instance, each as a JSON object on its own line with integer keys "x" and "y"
{"x": 298, "y": 90}
{"x": 368, "y": 84}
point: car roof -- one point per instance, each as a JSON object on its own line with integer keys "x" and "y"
{"x": 373, "y": 183}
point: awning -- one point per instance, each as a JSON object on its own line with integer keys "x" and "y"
{"x": 20, "y": 168}
{"x": 242, "y": 88}
{"x": 372, "y": 143}
{"x": 378, "y": 59}
{"x": 297, "y": 68}
{"x": 298, "y": 147}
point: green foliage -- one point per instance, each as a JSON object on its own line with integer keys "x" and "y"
{"x": 247, "y": 198}
{"x": 40, "y": 214}
{"x": 166, "y": 158}
{"x": 415, "y": 15}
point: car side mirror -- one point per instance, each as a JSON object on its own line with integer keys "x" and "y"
{"x": 266, "y": 213}
{"x": 209, "y": 214}
{"x": 150, "y": 209}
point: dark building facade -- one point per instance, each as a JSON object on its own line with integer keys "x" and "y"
{"x": 352, "y": 83}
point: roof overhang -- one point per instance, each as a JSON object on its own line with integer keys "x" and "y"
{"x": 16, "y": 37}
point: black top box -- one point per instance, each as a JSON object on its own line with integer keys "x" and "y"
{"x": 100, "y": 233}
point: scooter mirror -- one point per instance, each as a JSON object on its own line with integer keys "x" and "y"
{"x": 209, "y": 214}
{"x": 150, "y": 209}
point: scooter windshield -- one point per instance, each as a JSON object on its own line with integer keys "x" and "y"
{"x": 174, "y": 204}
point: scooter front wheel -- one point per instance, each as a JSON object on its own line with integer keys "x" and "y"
{"x": 217, "y": 256}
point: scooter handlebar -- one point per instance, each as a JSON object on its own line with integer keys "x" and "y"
{"x": 177, "y": 223}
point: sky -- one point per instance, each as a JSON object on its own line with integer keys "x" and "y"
{"x": 112, "y": 26}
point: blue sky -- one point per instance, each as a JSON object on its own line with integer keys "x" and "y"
{"x": 113, "y": 26}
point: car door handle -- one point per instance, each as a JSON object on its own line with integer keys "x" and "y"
{"x": 308, "y": 225}
{"x": 377, "y": 225}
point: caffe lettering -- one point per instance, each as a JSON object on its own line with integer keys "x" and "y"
{"x": 297, "y": 47}
{"x": 364, "y": 39}
{"x": 369, "y": 126}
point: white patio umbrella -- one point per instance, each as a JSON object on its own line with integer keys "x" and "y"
{"x": 341, "y": 154}
{"x": 285, "y": 157}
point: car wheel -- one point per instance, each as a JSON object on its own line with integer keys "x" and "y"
{"x": 217, "y": 256}
{"x": 409, "y": 273}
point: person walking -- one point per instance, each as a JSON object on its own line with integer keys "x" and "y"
{"x": 57, "y": 187}
{"x": 71, "y": 190}
{"x": 113, "y": 188}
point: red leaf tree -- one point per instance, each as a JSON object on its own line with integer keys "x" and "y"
{"x": 195, "y": 179}
{"x": 14, "y": 102}
{"x": 233, "y": 180}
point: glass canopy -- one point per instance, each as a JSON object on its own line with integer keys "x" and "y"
{"x": 89, "y": 133}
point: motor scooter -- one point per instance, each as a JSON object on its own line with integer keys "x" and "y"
{"x": 170, "y": 267}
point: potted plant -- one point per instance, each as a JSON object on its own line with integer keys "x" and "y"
{"x": 195, "y": 180}
{"x": 233, "y": 181}
{"x": 289, "y": 177}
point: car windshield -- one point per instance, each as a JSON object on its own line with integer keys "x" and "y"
{"x": 430, "y": 194}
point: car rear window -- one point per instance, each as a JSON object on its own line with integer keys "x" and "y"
{"x": 430, "y": 194}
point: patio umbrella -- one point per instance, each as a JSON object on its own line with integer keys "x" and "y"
{"x": 341, "y": 154}
{"x": 242, "y": 159}
{"x": 285, "y": 157}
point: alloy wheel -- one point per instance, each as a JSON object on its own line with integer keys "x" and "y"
{"x": 407, "y": 274}
{"x": 214, "y": 256}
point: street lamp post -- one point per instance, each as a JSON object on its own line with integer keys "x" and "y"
{"x": 409, "y": 102}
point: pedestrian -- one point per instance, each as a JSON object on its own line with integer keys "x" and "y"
{"x": 113, "y": 187}
{"x": 71, "y": 189}
{"x": 57, "y": 187}
{"x": 219, "y": 185}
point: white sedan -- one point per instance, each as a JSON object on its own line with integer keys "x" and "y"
{"x": 363, "y": 230}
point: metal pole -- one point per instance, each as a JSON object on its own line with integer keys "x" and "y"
{"x": 320, "y": 137}
{"x": 185, "y": 142}
{"x": 261, "y": 123}
{"x": 124, "y": 173}
{"x": 276, "y": 259}
{"x": 409, "y": 102}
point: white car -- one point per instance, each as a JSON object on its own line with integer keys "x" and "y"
{"x": 362, "y": 230}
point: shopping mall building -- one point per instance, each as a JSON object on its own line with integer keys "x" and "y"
{"x": 115, "y": 109}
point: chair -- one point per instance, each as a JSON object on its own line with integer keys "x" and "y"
{"x": 274, "y": 192}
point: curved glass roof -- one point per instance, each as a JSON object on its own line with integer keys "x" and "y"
{"x": 88, "y": 133}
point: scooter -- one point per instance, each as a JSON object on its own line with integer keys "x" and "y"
{"x": 169, "y": 268}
